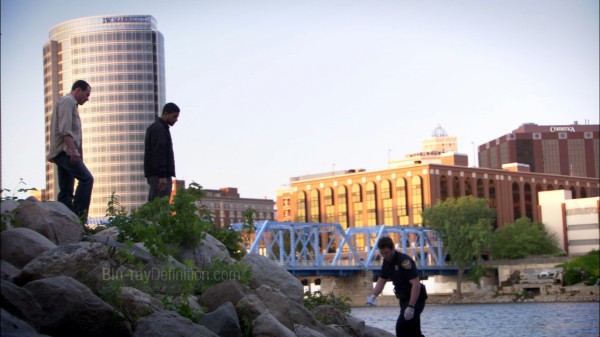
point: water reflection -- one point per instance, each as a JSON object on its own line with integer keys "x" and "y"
{"x": 505, "y": 319}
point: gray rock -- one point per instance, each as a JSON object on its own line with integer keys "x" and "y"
{"x": 169, "y": 323}
{"x": 371, "y": 331}
{"x": 267, "y": 272}
{"x": 135, "y": 303}
{"x": 304, "y": 331}
{"x": 51, "y": 219}
{"x": 8, "y": 270}
{"x": 71, "y": 309}
{"x": 221, "y": 293}
{"x": 14, "y": 240}
{"x": 205, "y": 252}
{"x": 75, "y": 260}
{"x": 249, "y": 308}
{"x": 6, "y": 210}
{"x": 20, "y": 303}
{"x": 11, "y": 326}
{"x": 110, "y": 233}
{"x": 268, "y": 326}
{"x": 223, "y": 321}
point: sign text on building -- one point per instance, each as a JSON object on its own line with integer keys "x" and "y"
{"x": 126, "y": 19}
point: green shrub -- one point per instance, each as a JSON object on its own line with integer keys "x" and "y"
{"x": 582, "y": 269}
{"x": 315, "y": 299}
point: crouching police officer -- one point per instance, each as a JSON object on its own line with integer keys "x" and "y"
{"x": 401, "y": 269}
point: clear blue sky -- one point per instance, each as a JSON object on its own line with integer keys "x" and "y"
{"x": 275, "y": 89}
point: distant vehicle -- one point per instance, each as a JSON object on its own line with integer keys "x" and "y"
{"x": 546, "y": 274}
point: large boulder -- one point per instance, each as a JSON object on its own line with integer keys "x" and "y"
{"x": 223, "y": 321}
{"x": 13, "y": 241}
{"x": 20, "y": 303}
{"x": 289, "y": 313}
{"x": 371, "y": 331}
{"x": 249, "y": 308}
{"x": 6, "y": 211}
{"x": 268, "y": 326}
{"x": 71, "y": 309}
{"x": 304, "y": 331}
{"x": 76, "y": 260}
{"x": 169, "y": 323}
{"x": 135, "y": 303}
{"x": 8, "y": 271}
{"x": 205, "y": 252}
{"x": 221, "y": 293}
{"x": 51, "y": 219}
{"x": 267, "y": 272}
{"x": 11, "y": 326}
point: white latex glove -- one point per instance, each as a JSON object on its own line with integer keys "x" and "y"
{"x": 371, "y": 301}
{"x": 409, "y": 313}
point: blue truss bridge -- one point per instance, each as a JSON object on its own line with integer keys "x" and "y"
{"x": 314, "y": 249}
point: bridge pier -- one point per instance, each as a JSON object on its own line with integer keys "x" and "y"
{"x": 356, "y": 287}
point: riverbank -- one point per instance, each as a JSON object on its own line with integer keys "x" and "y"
{"x": 570, "y": 294}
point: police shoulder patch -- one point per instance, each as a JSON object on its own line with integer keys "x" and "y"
{"x": 406, "y": 264}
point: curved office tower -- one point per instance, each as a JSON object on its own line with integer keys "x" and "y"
{"x": 122, "y": 58}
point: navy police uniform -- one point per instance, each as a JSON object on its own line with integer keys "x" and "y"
{"x": 401, "y": 269}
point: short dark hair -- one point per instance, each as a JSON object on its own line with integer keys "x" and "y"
{"x": 170, "y": 108}
{"x": 385, "y": 242}
{"x": 81, "y": 84}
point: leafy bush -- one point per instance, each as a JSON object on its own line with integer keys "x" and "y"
{"x": 582, "y": 268}
{"x": 160, "y": 225}
{"x": 522, "y": 239}
{"x": 315, "y": 299}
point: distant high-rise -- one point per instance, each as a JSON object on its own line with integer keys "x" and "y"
{"x": 122, "y": 58}
{"x": 569, "y": 150}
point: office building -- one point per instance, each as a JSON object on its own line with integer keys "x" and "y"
{"x": 567, "y": 150}
{"x": 122, "y": 58}
{"x": 398, "y": 195}
{"x": 228, "y": 207}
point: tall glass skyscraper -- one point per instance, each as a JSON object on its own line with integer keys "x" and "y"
{"x": 122, "y": 58}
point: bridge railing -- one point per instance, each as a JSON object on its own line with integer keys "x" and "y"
{"x": 299, "y": 245}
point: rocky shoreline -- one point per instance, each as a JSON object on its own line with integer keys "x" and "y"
{"x": 56, "y": 281}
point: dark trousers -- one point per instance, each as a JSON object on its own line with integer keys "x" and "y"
{"x": 67, "y": 172}
{"x": 155, "y": 192}
{"x": 410, "y": 328}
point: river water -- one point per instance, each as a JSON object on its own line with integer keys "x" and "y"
{"x": 495, "y": 320}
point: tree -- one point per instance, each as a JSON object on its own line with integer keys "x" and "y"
{"x": 464, "y": 225}
{"x": 521, "y": 239}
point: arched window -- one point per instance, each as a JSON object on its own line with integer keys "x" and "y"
{"x": 456, "y": 187}
{"x": 443, "y": 188}
{"x": 480, "y": 188}
{"x": 573, "y": 192}
{"x": 583, "y": 192}
{"x": 343, "y": 206}
{"x": 492, "y": 200}
{"x": 417, "y": 200}
{"x": 516, "y": 201}
{"x": 301, "y": 207}
{"x": 388, "y": 207}
{"x": 371, "y": 204}
{"x": 468, "y": 188}
{"x": 528, "y": 201}
{"x": 357, "y": 204}
{"x": 315, "y": 206}
{"x": 401, "y": 202}
{"x": 329, "y": 205}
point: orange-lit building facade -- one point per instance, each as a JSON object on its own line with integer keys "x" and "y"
{"x": 397, "y": 196}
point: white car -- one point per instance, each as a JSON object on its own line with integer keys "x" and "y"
{"x": 546, "y": 274}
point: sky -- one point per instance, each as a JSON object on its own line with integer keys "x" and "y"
{"x": 274, "y": 89}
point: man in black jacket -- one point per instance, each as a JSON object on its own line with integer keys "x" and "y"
{"x": 159, "y": 160}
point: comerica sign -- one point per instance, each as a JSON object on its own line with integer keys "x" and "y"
{"x": 562, "y": 129}
{"x": 126, "y": 19}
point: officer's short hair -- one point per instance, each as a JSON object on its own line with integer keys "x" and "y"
{"x": 385, "y": 242}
